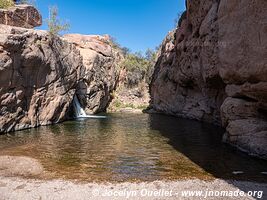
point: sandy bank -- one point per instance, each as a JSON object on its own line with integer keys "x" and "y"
{"x": 18, "y": 188}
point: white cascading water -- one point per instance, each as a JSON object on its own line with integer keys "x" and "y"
{"x": 79, "y": 111}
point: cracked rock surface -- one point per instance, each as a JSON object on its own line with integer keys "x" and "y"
{"x": 100, "y": 60}
{"x": 213, "y": 68}
{"x": 39, "y": 74}
{"x": 25, "y": 16}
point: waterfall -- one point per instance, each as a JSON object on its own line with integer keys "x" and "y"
{"x": 79, "y": 111}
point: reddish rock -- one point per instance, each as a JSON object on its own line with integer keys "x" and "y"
{"x": 39, "y": 74}
{"x": 219, "y": 51}
{"x": 186, "y": 81}
{"x": 100, "y": 60}
{"x": 25, "y": 16}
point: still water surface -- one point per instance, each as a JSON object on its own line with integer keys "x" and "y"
{"x": 133, "y": 147}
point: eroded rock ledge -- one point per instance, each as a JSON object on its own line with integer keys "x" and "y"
{"x": 25, "y": 16}
{"x": 214, "y": 68}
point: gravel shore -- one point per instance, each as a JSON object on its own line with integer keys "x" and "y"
{"x": 15, "y": 185}
{"x": 19, "y": 188}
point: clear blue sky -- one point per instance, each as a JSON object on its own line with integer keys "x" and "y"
{"x": 136, "y": 24}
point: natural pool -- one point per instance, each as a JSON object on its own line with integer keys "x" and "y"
{"x": 133, "y": 147}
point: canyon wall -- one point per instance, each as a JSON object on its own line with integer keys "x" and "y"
{"x": 40, "y": 74}
{"x": 101, "y": 61}
{"x": 213, "y": 68}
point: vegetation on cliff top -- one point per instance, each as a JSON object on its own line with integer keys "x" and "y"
{"x": 55, "y": 25}
{"x": 138, "y": 66}
{"x": 137, "y": 69}
{"x": 28, "y": 2}
{"x": 180, "y": 17}
{"x": 6, "y": 4}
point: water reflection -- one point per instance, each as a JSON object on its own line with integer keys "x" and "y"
{"x": 201, "y": 143}
{"x": 132, "y": 147}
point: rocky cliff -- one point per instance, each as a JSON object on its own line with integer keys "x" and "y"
{"x": 213, "y": 68}
{"x": 101, "y": 62}
{"x": 39, "y": 74}
{"x": 25, "y": 16}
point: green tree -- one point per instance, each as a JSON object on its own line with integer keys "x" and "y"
{"x": 150, "y": 54}
{"x": 139, "y": 67}
{"x": 125, "y": 51}
{"x": 115, "y": 43}
{"x": 55, "y": 25}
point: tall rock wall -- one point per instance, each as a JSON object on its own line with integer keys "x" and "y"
{"x": 101, "y": 61}
{"x": 243, "y": 67}
{"x": 186, "y": 81}
{"x": 39, "y": 74}
{"x": 213, "y": 68}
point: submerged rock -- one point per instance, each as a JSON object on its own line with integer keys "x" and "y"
{"x": 213, "y": 68}
{"x": 20, "y": 166}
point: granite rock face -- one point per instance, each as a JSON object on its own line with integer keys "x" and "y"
{"x": 243, "y": 67}
{"x": 186, "y": 81}
{"x": 25, "y": 16}
{"x": 39, "y": 74}
{"x": 213, "y": 68}
{"x": 101, "y": 61}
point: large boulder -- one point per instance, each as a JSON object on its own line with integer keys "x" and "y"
{"x": 39, "y": 74}
{"x": 101, "y": 60}
{"x": 213, "y": 68}
{"x": 25, "y": 16}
